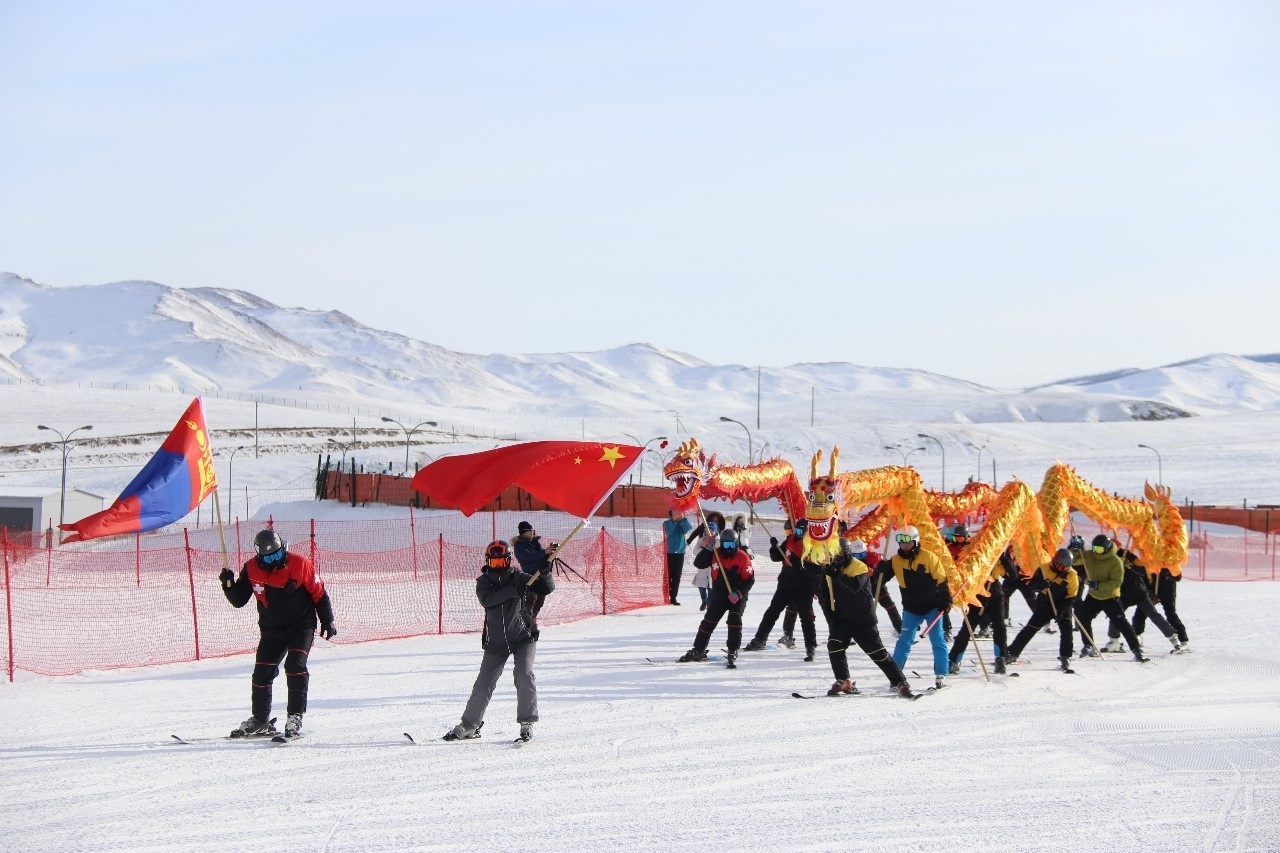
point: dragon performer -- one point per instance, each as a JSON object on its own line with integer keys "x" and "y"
{"x": 1155, "y": 524}
{"x": 695, "y": 476}
{"x": 1012, "y": 517}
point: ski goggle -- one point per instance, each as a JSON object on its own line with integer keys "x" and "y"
{"x": 861, "y": 555}
{"x": 729, "y": 547}
{"x": 1099, "y": 549}
{"x": 272, "y": 558}
{"x": 904, "y": 538}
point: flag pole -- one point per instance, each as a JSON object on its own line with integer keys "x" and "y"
{"x": 222, "y": 538}
{"x": 556, "y": 550}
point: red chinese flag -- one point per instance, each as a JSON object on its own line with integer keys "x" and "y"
{"x": 574, "y": 476}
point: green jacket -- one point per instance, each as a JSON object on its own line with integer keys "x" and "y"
{"x": 1105, "y": 573}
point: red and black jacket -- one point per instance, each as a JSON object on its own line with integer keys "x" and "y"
{"x": 289, "y": 597}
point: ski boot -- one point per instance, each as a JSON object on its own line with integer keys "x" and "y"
{"x": 787, "y": 640}
{"x": 1113, "y": 645}
{"x": 253, "y": 727}
{"x": 693, "y": 656}
{"x": 461, "y": 732}
{"x": 808, "y": 656}
{"x": 755, "y": 645}
{"x": 1000, "y": 666}
{"x": 845, "y": 687}
{"x": 293, "y": 726}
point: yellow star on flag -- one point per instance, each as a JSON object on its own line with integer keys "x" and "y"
{"x": 611, "y": 455}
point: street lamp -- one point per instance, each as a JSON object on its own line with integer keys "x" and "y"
{"x": 944, "y": 458}
{"x": 645, "y": 446}
{"x": 750, "y": 451}
{"x": 1159, "y": 462}
{"x": 62, "y": 505}
{"x": 905, "y": 455}
{"x": 231, "y": 459}
{"x": 407, "y": 433}
{"x": 979, "y": 449}
{"x": 343, "y": 464}
{"x": 763, "y": 450}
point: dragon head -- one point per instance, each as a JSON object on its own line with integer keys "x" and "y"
{"x": 822, "y": 512}
{"x": 688, "y": 471}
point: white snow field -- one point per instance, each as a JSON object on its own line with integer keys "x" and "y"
{"x": 1179, "y": 754}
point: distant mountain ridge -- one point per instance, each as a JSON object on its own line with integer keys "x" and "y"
{"x": 202, "y": 339}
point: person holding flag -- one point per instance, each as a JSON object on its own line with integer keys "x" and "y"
{"x": 291, "y": 597}
{"x": 731, "y": 579}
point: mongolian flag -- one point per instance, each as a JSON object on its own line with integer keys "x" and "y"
{"x": 172, "y": 484}
{"x": 574, "y": 476}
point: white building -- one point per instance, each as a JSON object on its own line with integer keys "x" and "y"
{"x": 37, "y": 507}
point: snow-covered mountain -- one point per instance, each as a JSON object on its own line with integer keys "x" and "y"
{"x": 209, "y": 339}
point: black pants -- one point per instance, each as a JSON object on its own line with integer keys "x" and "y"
{"x": 1091, "y": 607}
{"x": 1146, "y": 610}
{"x": 292, "y": 647}
{"x": 716, "y": 610}
{"x": 868, "y": 639}
{"x": 1041, "y": 613}
{"x": 988, "y": 611}
{"x": 797, "y": 602}
{"x": 1167, "y": 591}
{"x": 675, "y": 567}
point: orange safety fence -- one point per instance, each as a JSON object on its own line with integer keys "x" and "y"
{"x": 155, "y": 598}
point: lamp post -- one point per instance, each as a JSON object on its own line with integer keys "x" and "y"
{"x": 750, "y": 451}
{"x": 644, "y": 450}
{"x": 905, "y": 455}
{"x": 343, "y": 464}
{"x": 407, "y": 433}
{"x": 979, "y": 449}
{"x": 1159, "y": 462}
{"x": 231, "y": 459}
{"x": 763, "y": 450}
{"x": 944, "y": 458}
{"x": 62, "y": 504}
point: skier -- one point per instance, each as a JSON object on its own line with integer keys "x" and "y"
{"x": 1076, "y": 546}
{"x": 1057, "y": 583}
{"x": 986, "y": 614}
{"x": 1105, "y": 570}
{"x": 849, "y": 604}
{"x": 794, "y": 590}
{"x": 731, "y": 580}
{"x": 925, "y": 595}
{"x": 509, "y": 630}
{"x": 1135, "y": 593}
{"x": 1165, "y": 584}
{"x": 291, "y": 597}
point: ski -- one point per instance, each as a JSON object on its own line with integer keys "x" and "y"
{"x": 284, "y": 738}
{"x": 890, "y": 695}
{"x": 410, "y": 737}
{"x": 710, "y": 659}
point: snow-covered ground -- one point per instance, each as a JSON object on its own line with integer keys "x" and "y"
{"x": 1179, "y": 754}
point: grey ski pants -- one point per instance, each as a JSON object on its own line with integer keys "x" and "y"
{"x": 491, "y": 667}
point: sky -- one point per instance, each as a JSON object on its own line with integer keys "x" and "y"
{"x": 954, "y": 182}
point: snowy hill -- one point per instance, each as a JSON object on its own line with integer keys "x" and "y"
{"x": 209, "y": 339}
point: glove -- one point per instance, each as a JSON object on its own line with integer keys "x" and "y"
{"x": 773, "y": 540}
{"x": 1092, "y": 584}
{"x": 328, "y": 630}
{"x": 735, "y": 597}
{"x": 1155, "y": 599}
{"x": 227, "y": 577}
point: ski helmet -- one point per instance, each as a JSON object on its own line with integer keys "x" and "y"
{"x": 728, "y": 542}
{"x": 859, "y": 548}
{"x": 1063, "y": 558}
{"x": 909, "y": 537}
{"x": 1101, "y": 541}
{"x": 497, "y": 555}
{"x": 269, "y": 547}
{"x": 959, "y": 533}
